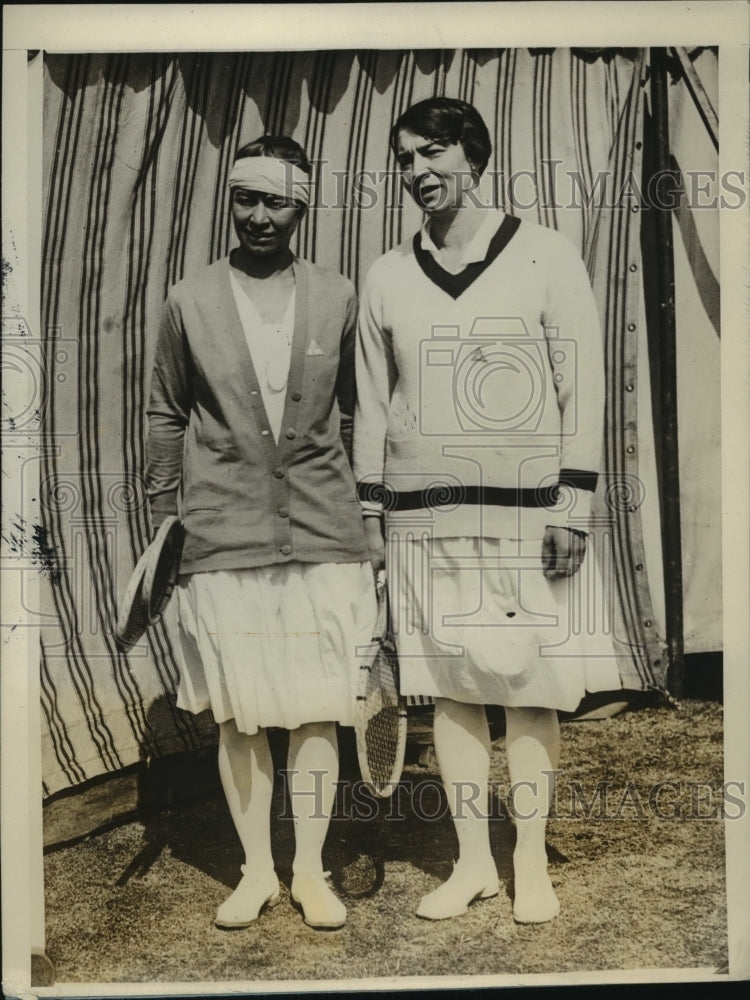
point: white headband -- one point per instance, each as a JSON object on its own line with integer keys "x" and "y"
{"x": 271, "y": 176}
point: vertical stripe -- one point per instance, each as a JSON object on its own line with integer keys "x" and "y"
{"x": 229, "y": 147}
{"x": 581, "y": 145}
{"x": 62, "y": 746}
{"x": 503, "y": 111}
{"x": 320, "y": 96}
{"x": 622, "y": 406}
{"x": 54, "y": 523}
{"x": 188, "y": 153}
{"x": 89, "y": 310}
{"x": 134, "y": 375}
{"x": 277, "y": 94}
{"x": 550, "y": 193}
{"x": 356, "y": 152}
{"x": 537, "y": 130}
{"x": 228, "y": 144}
{"x": 360, "y": 164}
{"x": 391, "y": 225}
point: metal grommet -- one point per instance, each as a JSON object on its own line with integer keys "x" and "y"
{"x": 629, "y": 387}
{"x": 639, "y": 566}
{"x": 631, "y": 327}
{"x": 633, "y": 267}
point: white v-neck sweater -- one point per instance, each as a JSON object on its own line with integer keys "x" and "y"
{"x": 480, "y": 411}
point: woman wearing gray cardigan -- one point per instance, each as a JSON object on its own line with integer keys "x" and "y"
{"x": 249, "y": 434}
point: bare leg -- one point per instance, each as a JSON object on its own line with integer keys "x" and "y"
{"x": 246, "y": 771}
{"x": 533, "y": 745}
{"x": 462, "y": 746}
{"x": 313, "y": 763}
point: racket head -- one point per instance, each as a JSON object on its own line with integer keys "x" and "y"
{"x": 162, "y": 567}
{"x": 133, "y": 619}
{"x": 380, "y": 712}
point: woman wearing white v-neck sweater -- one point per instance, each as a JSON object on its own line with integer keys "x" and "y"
{"x": 249, "y": 430}
{"x": 477, "y": 440}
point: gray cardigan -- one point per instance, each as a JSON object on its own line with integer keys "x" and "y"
{"x": 211, "y": 456}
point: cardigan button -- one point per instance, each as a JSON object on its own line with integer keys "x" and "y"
{"x": 265, "y": 432}
{"x": 279, "y": 473}
{"x": 283, "y": 512}
{"x": 296, "y": 396}
{"x": 286, "y": 550}
{"x": 291, "y": 434}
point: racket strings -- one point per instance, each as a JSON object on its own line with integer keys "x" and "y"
{"x": 383, "y": 718}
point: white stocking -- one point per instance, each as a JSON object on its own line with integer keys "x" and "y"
{"x": 462, "y": 747}
{"x": 246, "y": 771}
{"x": 533, "y": 745}
{"x": 313, "y": 763}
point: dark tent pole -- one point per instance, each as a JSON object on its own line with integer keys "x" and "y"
{"x": 669, "y": 466}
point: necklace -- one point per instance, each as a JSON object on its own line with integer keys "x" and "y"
{"x": 270, "y": 343}
{"x": 278, "y": 347}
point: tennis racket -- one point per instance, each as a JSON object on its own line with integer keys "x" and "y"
{"x": 380, "y": 710}
{"x": 151, "y": 583}
{"x": 132, "y": 620}
{"x": 163, "y": 567}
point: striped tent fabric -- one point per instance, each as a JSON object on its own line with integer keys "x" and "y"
{"x": 137, "y": 150}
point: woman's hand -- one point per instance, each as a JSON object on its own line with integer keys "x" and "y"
{"x": 562, "y": 552}
{"x": 374, "y": 535}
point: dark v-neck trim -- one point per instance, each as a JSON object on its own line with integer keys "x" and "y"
{"x": 455, "y": 284}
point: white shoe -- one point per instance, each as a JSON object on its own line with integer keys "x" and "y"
{"x": 246, "y": 902}
{"x": 453, "y": 897}
{"x": 321, "y": 909}
{"x": 535, "y": 901}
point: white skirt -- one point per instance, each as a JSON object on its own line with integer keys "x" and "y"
{"x": 274, "y": 646}
{"x": 475, "y": 620}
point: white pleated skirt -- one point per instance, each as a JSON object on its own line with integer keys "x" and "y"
{"x": 276, "y": 645}
{"x": 475, "y": 620}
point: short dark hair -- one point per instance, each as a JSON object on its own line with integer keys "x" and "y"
{"x": 448, "y": 120}
{"x": 280, "y": 147}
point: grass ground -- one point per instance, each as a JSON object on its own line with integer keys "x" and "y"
{"x": 641, "y": 881}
